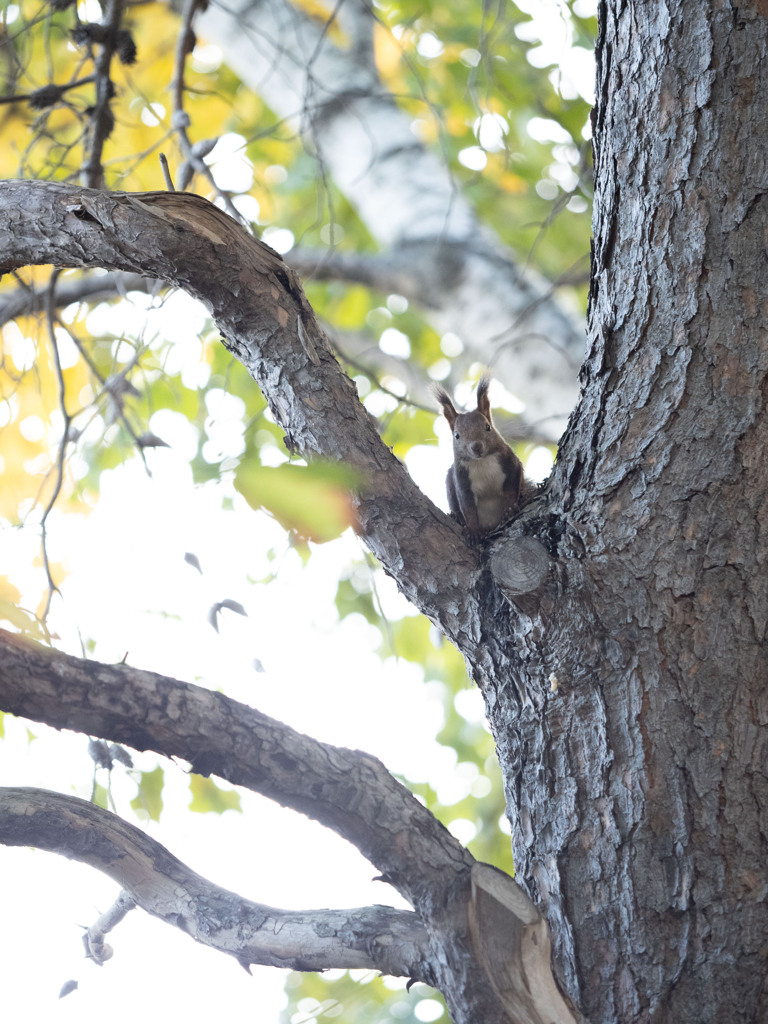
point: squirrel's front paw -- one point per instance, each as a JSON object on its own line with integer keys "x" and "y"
{"x": 473, "y": 536}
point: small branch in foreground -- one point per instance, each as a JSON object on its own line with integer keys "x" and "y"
{"x": 96, "y": 948}
{"x": 377, "y": 938}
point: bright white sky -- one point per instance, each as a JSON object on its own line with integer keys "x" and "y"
{"x": 322, "y": 676}
{"x": 131, "y": 590}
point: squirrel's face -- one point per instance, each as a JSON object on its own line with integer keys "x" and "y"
{"x": 473, "y": 436}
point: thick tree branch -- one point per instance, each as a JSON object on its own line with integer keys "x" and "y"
{"x": 379, "y": 938}
{"x": 348, "y": 791}
{"x": 463, "y": 905}
{"x": 258, "y": 304}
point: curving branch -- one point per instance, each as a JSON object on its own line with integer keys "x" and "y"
{"x": 379, "y": 938}
{"x": 463, "y": 909}
{"x": 346, "y": 790}
{"x": 259, "y": 306}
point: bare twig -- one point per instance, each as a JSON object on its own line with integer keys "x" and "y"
{"x": 26, "y": 300}
{"x": 102, "y": 119}
{"x": 62, "y": 452}
{"x": 167, "y": 173}
{"x": 96, "y": 948}
{"x": 193, "y": 153}
{"x": 46, "y": 95}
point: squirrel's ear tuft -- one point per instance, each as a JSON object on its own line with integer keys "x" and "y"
{"x": 483, "y": 401}
{"x": 449, "y": 410}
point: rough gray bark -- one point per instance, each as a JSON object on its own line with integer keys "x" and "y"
{"x": 627, "y": 686}
{"x": 638, "y": 792}
{"x": 473, "y": 932}
{"x": 377, "y": 938}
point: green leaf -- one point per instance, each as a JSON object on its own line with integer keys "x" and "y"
{"x": 311, "y": 500}
{"x": 148, "y": 802}
{"x": 207, "y": 796}
{"x": 100, "y": 797}
{"x": 350, "y": 600}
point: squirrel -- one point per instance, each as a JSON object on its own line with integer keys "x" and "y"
{"x": 486, "y": 480}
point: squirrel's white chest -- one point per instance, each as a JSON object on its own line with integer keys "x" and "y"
{"x": 486, "y": 478}
{"x": 486, "y": 475}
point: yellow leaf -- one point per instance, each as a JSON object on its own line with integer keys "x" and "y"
{"x": 388, "y": 51}
{"x": 512, "y": 183}
{"x": 8, "y": 592}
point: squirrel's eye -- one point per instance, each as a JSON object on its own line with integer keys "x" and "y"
{"x": 487, "y": 426}
{"x": 456, "y": 435}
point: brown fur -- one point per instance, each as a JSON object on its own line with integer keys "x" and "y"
{"x": 485, "y": 481}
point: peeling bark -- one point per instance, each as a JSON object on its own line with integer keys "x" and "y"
{"x": 474, "y": 933}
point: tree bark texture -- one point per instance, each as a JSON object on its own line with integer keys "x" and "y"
{"x": 617, "y": 628}
{"x": 638, "y": 790}
{"x": 473, "y": 932}
{"x": 378, "y": 938}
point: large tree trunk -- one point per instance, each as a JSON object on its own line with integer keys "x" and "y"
{"x": 637, "y": 790}
{"x": 617, "y": 628}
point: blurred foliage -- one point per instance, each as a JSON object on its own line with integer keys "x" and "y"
{"x": 210, "y": 798}
{"x": 148, "y": 802}
{"x": 312, "y": 501}
{"x": 95, "y": 387}
{"x": 100, "y": 796}
{"x": 460, "y": 72}
{"x": 360, "y": 996}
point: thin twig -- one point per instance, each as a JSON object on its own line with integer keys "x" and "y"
{"x": 193, "y": 157}
{"x": 95, "y": 947}
{"x": 102, "y": 120}
{"x": 167, "y": 173}
{"x": 61, "y": 456}
{"x": 26, "y": 300}
{"x": 56, "y": 91}
{"x": 105, "y": 390}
